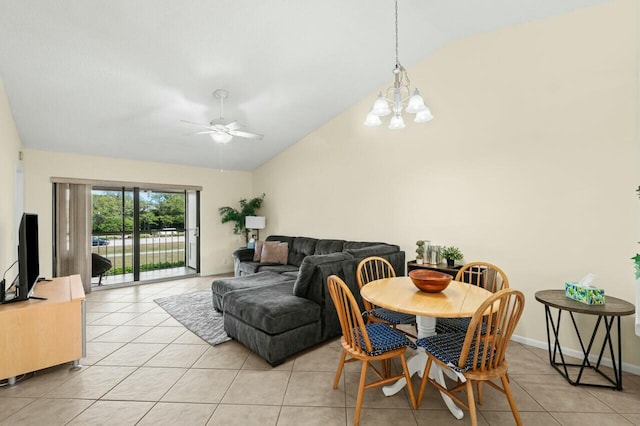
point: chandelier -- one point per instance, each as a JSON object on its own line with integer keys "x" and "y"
{"x": 399, "y": 94}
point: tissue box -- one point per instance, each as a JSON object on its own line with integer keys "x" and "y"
{"x": 588, "y": 295}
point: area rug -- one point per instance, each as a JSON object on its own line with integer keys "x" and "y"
{"x": 195, "y": 311}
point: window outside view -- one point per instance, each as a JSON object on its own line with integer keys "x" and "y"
{"x": 161, "y": 217}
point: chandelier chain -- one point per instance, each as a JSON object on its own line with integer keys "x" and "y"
{"x": 397, "y": 60}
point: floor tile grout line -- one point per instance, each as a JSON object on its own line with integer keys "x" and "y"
{"x": 294, "y": 367}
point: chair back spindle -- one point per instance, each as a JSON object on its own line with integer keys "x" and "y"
{"x": 351, "y": 322}
{"x": 490, "y": 330}
{"x": 371, "y": 269}
{"x": 483, "y": 274}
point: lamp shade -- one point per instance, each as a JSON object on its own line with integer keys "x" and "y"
{"x": 255, "y": 222}
{"x": 372, "y": 120}
{"x": 416, "y": 103}
{"x": 396, "y": 122}
{"x": 381, "y": 106}
{"x": 423, "y": 116}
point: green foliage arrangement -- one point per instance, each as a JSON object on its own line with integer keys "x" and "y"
{"x": 452, "y": 253}
{"x": 247, "y": 208}
{"x": 420, "y": 249}
{"x": 636, "y": 262}
{"x": 158, "y": 210}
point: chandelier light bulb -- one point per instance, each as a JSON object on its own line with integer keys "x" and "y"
{"x": 423, "y": 116}
{"x": 381, "y": 106}
{"x": 372, "y": 120}
{"x": 416, "y": 103}
{"x": 396, "y": 122}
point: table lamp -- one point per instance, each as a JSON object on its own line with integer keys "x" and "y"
{"x": 255, "y": 223}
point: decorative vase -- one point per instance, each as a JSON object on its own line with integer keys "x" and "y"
{"x": 419, "y": 261}
{"x": 450, "y": 263}
{"x": 434, "y": 256}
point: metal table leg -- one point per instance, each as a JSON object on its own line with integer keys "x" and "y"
{"x": 555, "y": 349}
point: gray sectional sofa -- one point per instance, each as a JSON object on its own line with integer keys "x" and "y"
{"x": 277, "y": 310}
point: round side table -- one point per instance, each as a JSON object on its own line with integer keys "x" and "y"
{"x": 612, "y": 310}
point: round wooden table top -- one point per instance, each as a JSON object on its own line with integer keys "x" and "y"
{"x": 613, "y": 307}
{"x": 399, "y": 294}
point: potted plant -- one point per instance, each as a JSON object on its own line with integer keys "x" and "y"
{"x": 420, "y": 252}
{"x": 452, "y": 254}
{"x": 247, "y": 208}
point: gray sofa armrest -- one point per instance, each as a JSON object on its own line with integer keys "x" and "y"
{"x": 310, "y": 284}
{"x": 241, "y": 255}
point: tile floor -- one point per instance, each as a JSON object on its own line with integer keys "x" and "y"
{"x": 144, "y": 368}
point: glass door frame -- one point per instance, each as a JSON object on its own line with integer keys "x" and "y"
{"x": 136, "y": 231}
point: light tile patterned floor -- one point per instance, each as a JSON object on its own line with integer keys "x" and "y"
{"x": 145, "y": 368}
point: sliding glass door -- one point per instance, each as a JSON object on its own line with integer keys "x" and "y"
{"x": 146, "y": 234}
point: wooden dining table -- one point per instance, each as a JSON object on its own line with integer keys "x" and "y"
{"x": 458, "y": 300}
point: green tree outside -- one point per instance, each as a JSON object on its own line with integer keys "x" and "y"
{"x": 158, "y": 210}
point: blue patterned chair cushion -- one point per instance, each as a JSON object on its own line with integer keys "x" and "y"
{"x": 447, "y": 348}
{"x": 455, "y": 325}
{"x": 384, "y": 339}
{"x": 392, "y": 316}
{"x": 452, "y": 325}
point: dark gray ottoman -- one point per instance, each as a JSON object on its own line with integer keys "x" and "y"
{"x": 222, "y": 286}
{"x": 271, "y": 321}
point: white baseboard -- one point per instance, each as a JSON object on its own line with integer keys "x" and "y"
{"x": 629, "y": 368}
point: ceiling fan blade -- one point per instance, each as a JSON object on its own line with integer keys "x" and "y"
{"x": 234, "y": 125}
{"x": 207, "y": 132}
{"x": 245, "y": 134}
{"x": 206, "y": 126}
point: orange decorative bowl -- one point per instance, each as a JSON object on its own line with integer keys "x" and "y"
{"x": 430, "y": 281}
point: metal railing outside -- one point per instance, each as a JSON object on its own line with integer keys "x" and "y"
{"x": 159, "y": 249}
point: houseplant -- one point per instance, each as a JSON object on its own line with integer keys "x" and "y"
{"x": 420, "y": 252}
{"x": 452, "y": 254}
{"x": 247, "y": 208}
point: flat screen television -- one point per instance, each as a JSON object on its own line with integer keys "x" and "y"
{"x": 28, "y": 256}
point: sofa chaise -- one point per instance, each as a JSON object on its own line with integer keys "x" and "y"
{"x": 277, "y": 310}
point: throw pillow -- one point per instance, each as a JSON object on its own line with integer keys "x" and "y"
{"x": 257, "y": 251}
{"x": 274, "y": 252}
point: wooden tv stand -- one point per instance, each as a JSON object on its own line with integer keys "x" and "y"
{"x": 36, "y": 334}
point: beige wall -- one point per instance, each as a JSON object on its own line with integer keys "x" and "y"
{"x": 10, "y": 146}
{"x": 218, "y": 189}
{"x": 530, "y": 163}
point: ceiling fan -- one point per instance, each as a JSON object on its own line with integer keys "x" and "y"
{"x": 218, "y": 130}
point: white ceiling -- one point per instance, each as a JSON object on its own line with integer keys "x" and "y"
{"x": 116, "y": 77}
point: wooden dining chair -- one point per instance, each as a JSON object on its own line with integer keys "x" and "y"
{"x": 367, "y": 343}
{"x": 375, "y": 268}
{"x": 478, "y": 355}
{"x": 482, "y": 274}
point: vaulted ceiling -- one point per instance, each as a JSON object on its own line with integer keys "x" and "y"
{"x": 116, "y": 77}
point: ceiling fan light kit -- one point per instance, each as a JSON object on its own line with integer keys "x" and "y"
{"x": 218, "y": 131}
{"x": 221, "y": 137}
{"x": 398, "y": 94}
